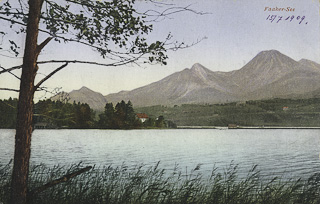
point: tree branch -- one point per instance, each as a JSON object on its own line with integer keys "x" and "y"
{"x": 93, "y": 63}
{"x": 21, "y": 5}
{"x": 58, "y": 181}
{"x": 13, "y": 13}
{"x": 11, "y": 69}
{"x": 6, "y": 70}
{"x": 8, "y": 89}
{"x": 8, "y": 19}
{"x": 50, "y": 75}
{"x": 79, "y": 62}
{"x": 47, "y": 32}
{"x": 44, "y": 43}
{"x": 168, "y": 12}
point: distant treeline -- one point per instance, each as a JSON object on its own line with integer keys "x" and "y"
{"x": 57, "y": 114}
{"x": 271, "y": 112}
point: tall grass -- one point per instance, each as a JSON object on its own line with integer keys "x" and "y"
{"x": 155, "y": 185}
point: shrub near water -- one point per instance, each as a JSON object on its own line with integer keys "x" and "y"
{"x": 155, "y": 185}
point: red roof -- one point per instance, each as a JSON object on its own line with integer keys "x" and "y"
{"x": 142, "y": 115}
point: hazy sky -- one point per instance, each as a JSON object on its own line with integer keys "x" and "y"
{"x": 235, "y": 31}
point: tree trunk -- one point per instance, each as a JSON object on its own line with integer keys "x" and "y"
{"x": 25, "y": 107}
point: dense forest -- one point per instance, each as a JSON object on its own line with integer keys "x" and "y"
{"x": 56, "y": 114}
{"x": 8, "y": 113}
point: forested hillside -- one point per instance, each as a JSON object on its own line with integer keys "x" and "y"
{"x": 273, "y": 112}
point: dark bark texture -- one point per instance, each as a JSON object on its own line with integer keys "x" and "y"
{"x": 25, "y": 107}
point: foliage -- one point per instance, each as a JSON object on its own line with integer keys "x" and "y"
{"x": 154, "y": 185}
{"x": 106, "y": 119}
{"x": 115, "y": 29}
{"x": 8, "y": 113}
{"x": 122, "y": 116}
{"x": 160, "y": 122}
{"x": 56, "y": 114}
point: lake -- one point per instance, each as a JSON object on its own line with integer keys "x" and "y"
{"x": 290, "y": 153}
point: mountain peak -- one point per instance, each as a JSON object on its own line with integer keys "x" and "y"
{"x": 270, "y": 53}
{"x": 197, "y": 66}
{"x": 200, "y": 71}
{"x": 85, "y": 95}
{"x": 84, "y": 89}
{"x": 306, "y": 61}
{"x": 274, "y": 58}
{"x": 309, "y": 65}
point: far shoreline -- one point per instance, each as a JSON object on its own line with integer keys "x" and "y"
{"x": 242, "y": 127}
{"x": 181, "y": 128}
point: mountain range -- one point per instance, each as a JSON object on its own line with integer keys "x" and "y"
{"x": 270, "y": 74}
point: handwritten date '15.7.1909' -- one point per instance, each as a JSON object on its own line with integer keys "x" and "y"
{"x": 292, "y": 18}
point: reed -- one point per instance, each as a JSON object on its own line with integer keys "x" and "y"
{"x": 140, "y": 184}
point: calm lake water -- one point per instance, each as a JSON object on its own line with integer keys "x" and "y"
{"x": 284, "y": 152}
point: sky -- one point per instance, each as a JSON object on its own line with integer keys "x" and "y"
{"x": 233, "y": 32}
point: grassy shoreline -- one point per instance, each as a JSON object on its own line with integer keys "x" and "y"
{"x": 155, "y": 185}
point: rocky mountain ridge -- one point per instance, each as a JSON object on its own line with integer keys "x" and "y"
{"x": 269, "y": 74}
